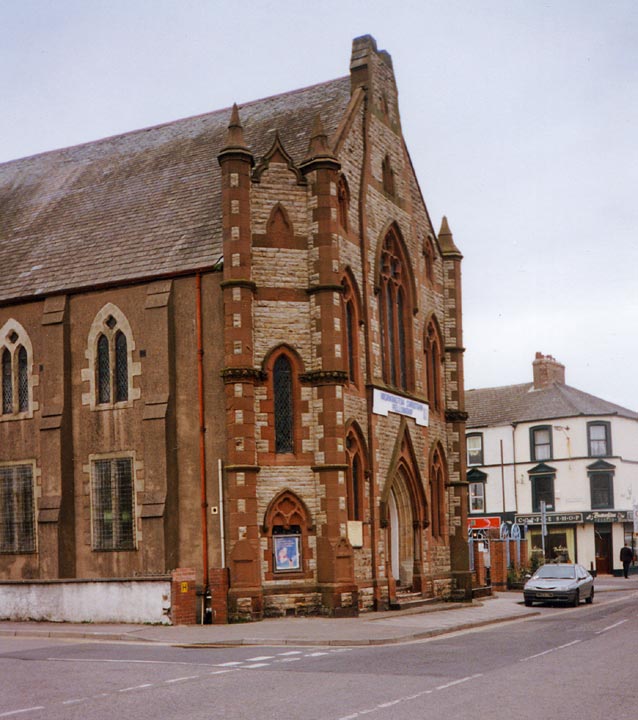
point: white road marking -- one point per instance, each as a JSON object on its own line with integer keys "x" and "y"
{"x": 231, "y": 664}
{"x": 458, "y": 682}
{"x": 136, "y": 687}
{"x": 611, "y": 627}
{"x": 407, "y": 698}
{"x": 316, "y": 654}
{"x": 182, "y": 679}
{"x": 259, "y": 658}
{"x": 23, "y": 710}
{"x": 74, "y": 701}
{"x": 220, "y": 672}
{"x": 254, "y": 665}
{"x": 551, "y": 650}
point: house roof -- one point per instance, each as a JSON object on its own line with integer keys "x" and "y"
{"x": 141, "y": 204}
{"x": 522, "y": 403}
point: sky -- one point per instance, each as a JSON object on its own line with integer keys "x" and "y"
{"x": 520, "y": 116}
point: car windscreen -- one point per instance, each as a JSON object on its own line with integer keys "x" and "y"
{"x": 556, "y": 572}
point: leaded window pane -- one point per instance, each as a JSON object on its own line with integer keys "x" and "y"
{"x": 124, "y": 499}
{"x": 103, "y": 370}
{"x": 282, "y": 383}
{"x": 23, "y": 380}
{"x": 121, "y": 367}
{"x": 112, "y": 505}
{"x": 7, "y": 383}
{"x": 17, "y": 525}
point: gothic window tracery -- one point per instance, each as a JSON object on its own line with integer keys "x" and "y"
{"x": 394, "y": 315}
{"x": 15, "y": 372}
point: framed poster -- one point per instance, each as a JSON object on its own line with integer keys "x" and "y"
{"x": 286, "y": 551}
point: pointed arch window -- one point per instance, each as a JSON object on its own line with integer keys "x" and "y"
{"x": 437, "y": 494}
{"x": 121, "y": 367}
{"x": 433, "y": 363}
{"x": 343, "y": 203}
{"x": 393, "y": 311}
{"x": 112, "y": 366}
{"x": 351, "y": 328}
{"x": 23, "y": 380}
{"x": 355, "y": 478}
{"x": 7, "y": 383}
{"x": 15, "y": 373}
{"x": 284, "y": 405}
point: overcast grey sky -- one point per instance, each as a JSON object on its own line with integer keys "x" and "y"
{"x": 521, "y": 117}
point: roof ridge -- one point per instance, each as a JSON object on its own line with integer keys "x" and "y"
{"x": 499, "y": 387}
{"x": 167, "y": 123}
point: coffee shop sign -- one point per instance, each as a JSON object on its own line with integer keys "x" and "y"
{"x": 589, "y": 516}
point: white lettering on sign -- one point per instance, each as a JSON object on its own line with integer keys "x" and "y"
{"x": 385, "y": 402}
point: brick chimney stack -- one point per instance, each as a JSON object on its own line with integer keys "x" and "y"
{"x": 547, "y": 370}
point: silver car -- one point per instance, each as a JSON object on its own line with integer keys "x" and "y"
{"x": 560, "y": 582}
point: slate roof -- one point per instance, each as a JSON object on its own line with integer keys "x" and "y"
{"x": 522, "y": 403}
{"x": 142, "y": 204}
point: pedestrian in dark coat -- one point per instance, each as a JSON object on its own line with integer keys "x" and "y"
{"x": 626, "y": 557}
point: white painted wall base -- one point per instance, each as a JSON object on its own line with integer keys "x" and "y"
{"x": 146, "y": 600}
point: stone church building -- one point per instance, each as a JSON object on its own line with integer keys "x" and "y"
{"x": 233, "y": 343}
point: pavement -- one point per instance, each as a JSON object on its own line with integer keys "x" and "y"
{"x": 380, "y": 628}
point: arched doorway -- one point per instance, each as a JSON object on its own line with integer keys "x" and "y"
{"x": 402, "y": 530}
{"x": 405, "y": 515}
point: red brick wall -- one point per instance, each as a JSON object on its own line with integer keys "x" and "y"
{"x": 219, "y": 579}
{"x": 183, "y": 597}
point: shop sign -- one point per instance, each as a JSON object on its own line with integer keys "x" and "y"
{"x": 587, "y": 516}
{"x": 484, "y": 523}
{"x": 608, "y": 516}
{"x": 385, "y": 402}
{"x": 550, "y": 518}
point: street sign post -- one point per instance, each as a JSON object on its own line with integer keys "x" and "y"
{"x": 543, "y": 523}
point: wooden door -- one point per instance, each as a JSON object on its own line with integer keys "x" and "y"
{"x": 603, "y": 550}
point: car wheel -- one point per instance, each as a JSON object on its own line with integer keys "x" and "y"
{"x": 590, "y": 599}
{"x": 528, "y": 602}
{"x": 576, "y": 602}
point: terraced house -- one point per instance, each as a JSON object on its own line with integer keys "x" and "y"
{"x": 232, "y": 345}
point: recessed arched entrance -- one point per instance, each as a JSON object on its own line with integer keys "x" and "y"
{"x": 405, "y": 519}
{"x": 402, "y": 530}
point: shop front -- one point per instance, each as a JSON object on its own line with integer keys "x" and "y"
{"x": 592, "y": 537}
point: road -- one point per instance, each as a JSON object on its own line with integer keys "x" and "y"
{"x": 566, "y": 663}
